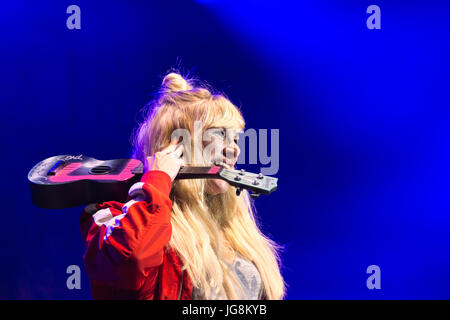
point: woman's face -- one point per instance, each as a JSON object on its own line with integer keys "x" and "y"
{"x": 220, "y": 147}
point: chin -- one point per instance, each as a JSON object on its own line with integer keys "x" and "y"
{"x": 216, "y": 186}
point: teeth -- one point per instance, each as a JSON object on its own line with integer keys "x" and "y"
{"x": 223, "y": 164}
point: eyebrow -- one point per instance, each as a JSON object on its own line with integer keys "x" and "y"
{"x": 236, "y": 130}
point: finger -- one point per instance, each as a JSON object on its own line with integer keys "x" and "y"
{"x": 177, "y": 139}
{"x": 179, "y": 150}
{"x": 172, "y": 145}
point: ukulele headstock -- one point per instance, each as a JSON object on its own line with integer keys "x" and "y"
{"x": 257, "y": 183}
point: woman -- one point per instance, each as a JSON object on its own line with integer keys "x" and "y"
{"x": 181, "y": 239}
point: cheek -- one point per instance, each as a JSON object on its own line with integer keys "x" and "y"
{"x": 213, "y": 148}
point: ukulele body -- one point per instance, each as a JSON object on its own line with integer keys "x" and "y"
{"x": 68, "y": 181}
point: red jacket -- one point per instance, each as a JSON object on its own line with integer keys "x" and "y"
{"x": 126, "y": 254}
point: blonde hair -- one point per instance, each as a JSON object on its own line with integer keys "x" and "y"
{"x": 201, "y": 223}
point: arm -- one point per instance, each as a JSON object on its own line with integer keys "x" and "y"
{"x": 125, "y": 242}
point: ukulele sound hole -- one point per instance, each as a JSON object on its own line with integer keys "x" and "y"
{"x": 100, "y": 170}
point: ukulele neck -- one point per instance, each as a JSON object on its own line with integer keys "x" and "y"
{"x": 190, "y": 172}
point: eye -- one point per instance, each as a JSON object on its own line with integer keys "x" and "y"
{"x": 220, "y": 132}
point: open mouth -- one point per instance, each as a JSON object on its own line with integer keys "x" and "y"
{"x": 222, "y": 163}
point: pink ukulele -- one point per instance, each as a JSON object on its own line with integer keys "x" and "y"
{"x": 69, "y": 181}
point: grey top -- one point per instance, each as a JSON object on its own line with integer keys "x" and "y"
{"x": 247, "y": 275}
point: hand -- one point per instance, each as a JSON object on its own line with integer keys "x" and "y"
{"x": 168, "y": 159}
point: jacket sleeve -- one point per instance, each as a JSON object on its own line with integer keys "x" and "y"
{"x": 125, "y": 242}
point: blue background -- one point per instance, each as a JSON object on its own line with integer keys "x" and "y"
{"x": 364, "y": 120}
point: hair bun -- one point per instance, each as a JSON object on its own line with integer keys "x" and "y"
{"x": 174, "y": 82}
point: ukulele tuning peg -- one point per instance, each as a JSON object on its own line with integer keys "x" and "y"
{"x": 254, "y": 195}
{"x": 238, "y": 191}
